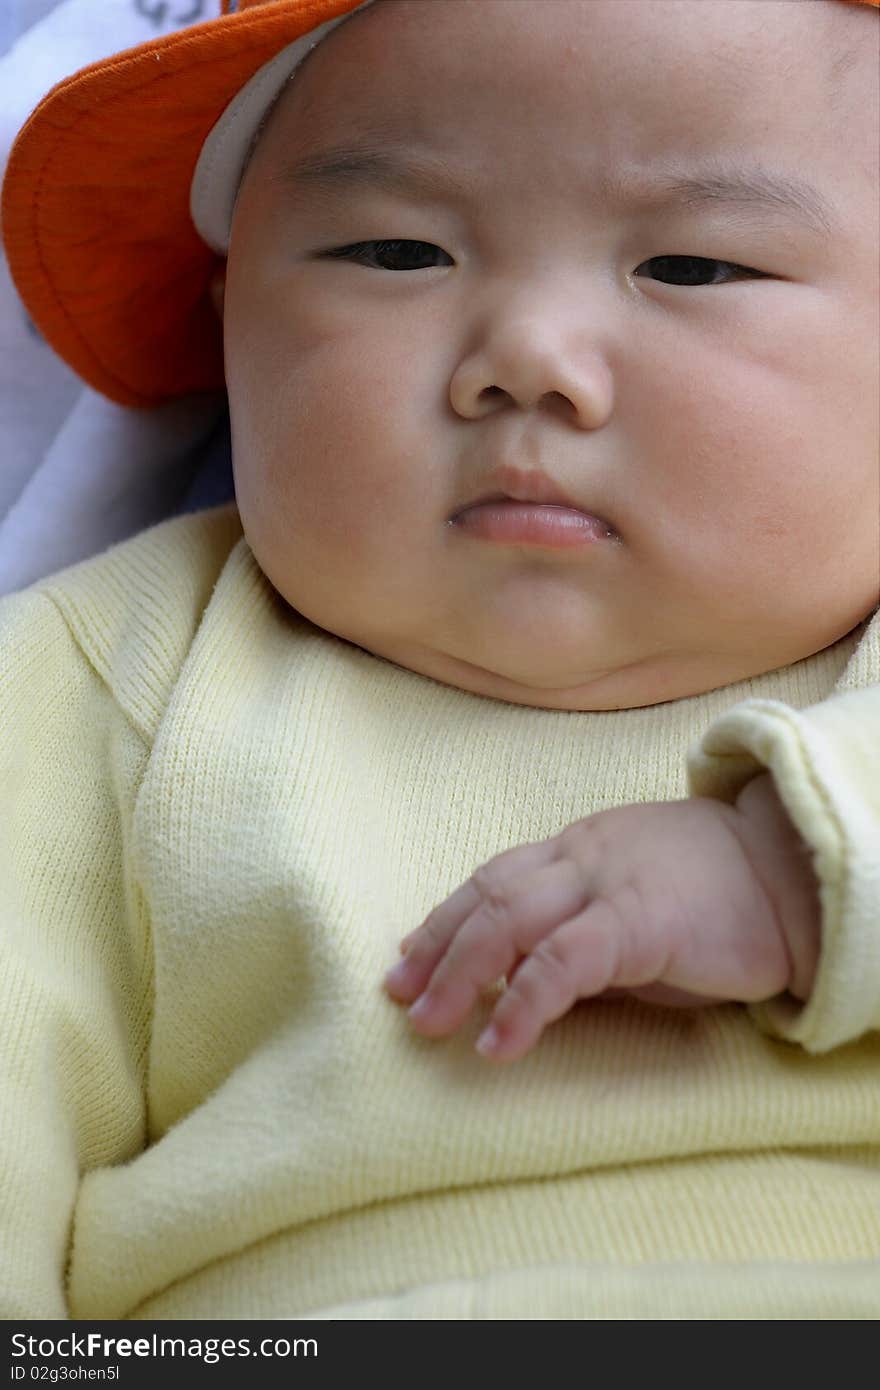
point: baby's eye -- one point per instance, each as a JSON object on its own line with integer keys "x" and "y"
{"x": 698, "y": 270}
{"x": 393, "y": 255}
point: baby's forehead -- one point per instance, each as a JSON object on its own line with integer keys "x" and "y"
{"x": 824, "y": 52}
{"x": 640, "y": 79}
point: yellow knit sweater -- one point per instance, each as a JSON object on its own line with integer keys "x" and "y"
{"x": 217, "y": 822}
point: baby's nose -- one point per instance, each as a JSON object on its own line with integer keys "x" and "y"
{"x": 520, "y": 365}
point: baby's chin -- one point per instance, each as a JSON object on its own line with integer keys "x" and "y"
{"x": 553, "y": 666}
{"x": 558, "y": 675}
{"x": 651, "y": 680}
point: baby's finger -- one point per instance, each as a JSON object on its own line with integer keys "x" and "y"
{"x": 425, "y": 946}
{"x": 577, "y": 961}
{"x": 431, "y": 938}
{"x": 507, "y": 925}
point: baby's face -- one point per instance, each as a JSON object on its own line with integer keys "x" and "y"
{"x": 455, "y": 265}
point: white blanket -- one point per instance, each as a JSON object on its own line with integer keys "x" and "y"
{"x": 78, "y": 473}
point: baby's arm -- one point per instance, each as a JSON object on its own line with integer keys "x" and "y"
{"x": 74, "y": 964}
{"x": 681, "y": 902}
{"x": 685, "y": 902}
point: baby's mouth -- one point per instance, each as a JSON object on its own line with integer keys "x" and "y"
{"x": 528, "y": 507}
{"x": 508, "y": 521}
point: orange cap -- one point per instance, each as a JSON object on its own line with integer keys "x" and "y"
{"x": 115, "y": 279}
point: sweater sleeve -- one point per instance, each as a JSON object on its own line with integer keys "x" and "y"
{"x": 825, "y": 762}
{"x": 74, "y": 960}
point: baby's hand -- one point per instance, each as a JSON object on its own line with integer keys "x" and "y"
{"x": 680, "y": 902}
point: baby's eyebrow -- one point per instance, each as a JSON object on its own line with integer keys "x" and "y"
{"x": 709, "y": 183}
{"x": 749, "y": 187}
{"x": 396, "y": 169}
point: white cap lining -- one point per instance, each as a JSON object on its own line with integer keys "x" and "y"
{"x": 221, "y": 164}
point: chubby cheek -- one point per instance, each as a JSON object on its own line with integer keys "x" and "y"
{"x": 767, "y": 481}
{"x": 331, "y": 473}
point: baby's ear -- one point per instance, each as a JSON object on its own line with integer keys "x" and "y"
{"x": 218, "y": 289}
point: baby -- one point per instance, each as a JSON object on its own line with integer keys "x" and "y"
{"x": 551, "y": 349}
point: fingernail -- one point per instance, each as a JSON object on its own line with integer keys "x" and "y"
{"x": 397, "y": 976}
{"x": 420, "y": 1008}
{"x": 488, "y": 1040}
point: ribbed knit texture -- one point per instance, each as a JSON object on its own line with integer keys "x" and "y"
{"x": 217, "y": 823}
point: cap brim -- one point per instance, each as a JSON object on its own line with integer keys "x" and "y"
{"x": 96, "y": 203}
